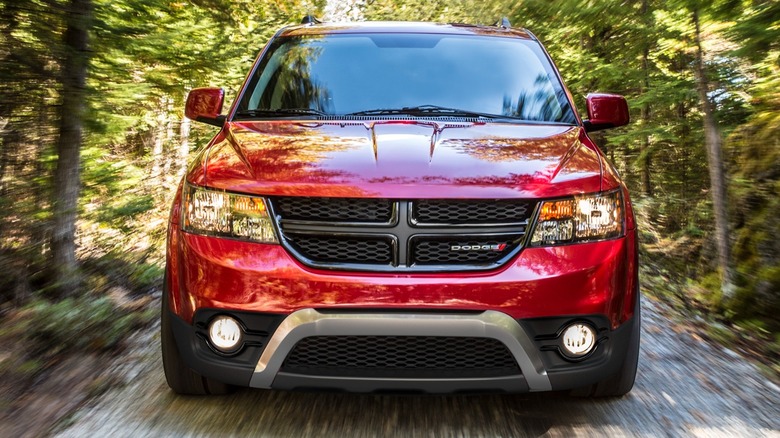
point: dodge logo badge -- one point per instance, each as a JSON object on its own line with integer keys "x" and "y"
{"x": 497, "y": 247}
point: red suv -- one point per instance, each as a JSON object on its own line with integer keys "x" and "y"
{"x": 405, "y": 207}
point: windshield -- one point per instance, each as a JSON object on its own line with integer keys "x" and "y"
{"x": 418, "y": 74}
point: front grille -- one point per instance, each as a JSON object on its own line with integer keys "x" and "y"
{"x": 440, "y": 211}
{"x": 400, "y": 356}
{"x": 402, "y": 235}
{"x": 336, "y": 249}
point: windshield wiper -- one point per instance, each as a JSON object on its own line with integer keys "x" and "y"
{"x": 425, "y": 110}
{"x": 280, "y": 112}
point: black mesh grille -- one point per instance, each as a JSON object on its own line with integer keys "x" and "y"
{"x": 335, "y": 209}
{"x": 400, "y": 356}
{"x": 444, "y": 211}
{"x": 442, "y": 252}
{"x": 395, "y": 235}
{"x": 338, "y": 249}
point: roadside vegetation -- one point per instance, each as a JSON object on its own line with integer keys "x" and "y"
{"x": 93, "y": 141}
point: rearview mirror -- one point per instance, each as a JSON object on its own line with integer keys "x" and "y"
{"x": 605, "y": 111}
{"x": 205, "y": 105}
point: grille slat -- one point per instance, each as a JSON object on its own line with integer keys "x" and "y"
{"x": 400, "y": 356}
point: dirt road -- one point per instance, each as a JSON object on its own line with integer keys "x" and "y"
{"x": 685, "y": 387}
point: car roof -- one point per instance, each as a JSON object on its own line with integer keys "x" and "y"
{"x": 404, "y": 27}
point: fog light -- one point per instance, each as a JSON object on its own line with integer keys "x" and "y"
{"x": 578, "y": 340}
{"x": 225, "y": 334}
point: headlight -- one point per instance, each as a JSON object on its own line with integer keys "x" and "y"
{"x": 579, "y": 219}
{"x": 220, "y": 213}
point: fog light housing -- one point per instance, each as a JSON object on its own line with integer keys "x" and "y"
{"x": 225, "y": 334}
{"x": 578, "y": 340}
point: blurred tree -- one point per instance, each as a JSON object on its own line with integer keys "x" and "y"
{"x": 67, "y": 180}
{"x": 714, "y": 147}
{"x": 28, "y": 72}
{"x": 754, "y": 149}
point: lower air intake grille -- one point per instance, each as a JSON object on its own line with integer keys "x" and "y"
{"x": 401, "y": 356}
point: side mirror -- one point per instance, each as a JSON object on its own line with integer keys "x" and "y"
{"x": 606, "y": 111}
{"x": 205, "y": 105}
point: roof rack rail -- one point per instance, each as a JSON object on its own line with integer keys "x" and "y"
{"x": 503, "y": 22}
{"x": 310, "y": 19}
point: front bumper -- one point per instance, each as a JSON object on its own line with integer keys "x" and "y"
{"x": 591, "y": 278}
{"x": 531, "y": 343}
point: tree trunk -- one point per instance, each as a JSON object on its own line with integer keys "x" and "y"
{"x": 714, "y": 147}
{"x": 168, "y": 159}
{"x": 7, "y": 105}
{"x": 67, "y": 174}
{"x": 684, "y": 135}
{"x": 612, "y": 154}
{"x": 7, "y": 143}
{"x": 158, "y": 160}
{"x": 644, "y": 145}
{"x": 184, "y": 142}
{"x": 627, "y": 170}
{"x": 647, "y": 187}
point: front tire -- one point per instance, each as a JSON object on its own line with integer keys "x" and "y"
{"x": 181, "y": 378}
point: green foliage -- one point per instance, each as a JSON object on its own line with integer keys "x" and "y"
{"x": 722, "y": 334}
{"x": 442, "y": 11}
{"x": 77, "y": 324}
{"x": 707, "y": 291}
{"x": 755, "y": 28}
{"x": 146, "y": 275}
{"x": 29, "y": 367}
{"x": 127, "y": 210}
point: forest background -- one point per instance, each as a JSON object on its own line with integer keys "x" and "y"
{"x": 93, "y": 141}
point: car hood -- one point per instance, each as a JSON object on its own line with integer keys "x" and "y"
{"x": 399, "y": 159}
